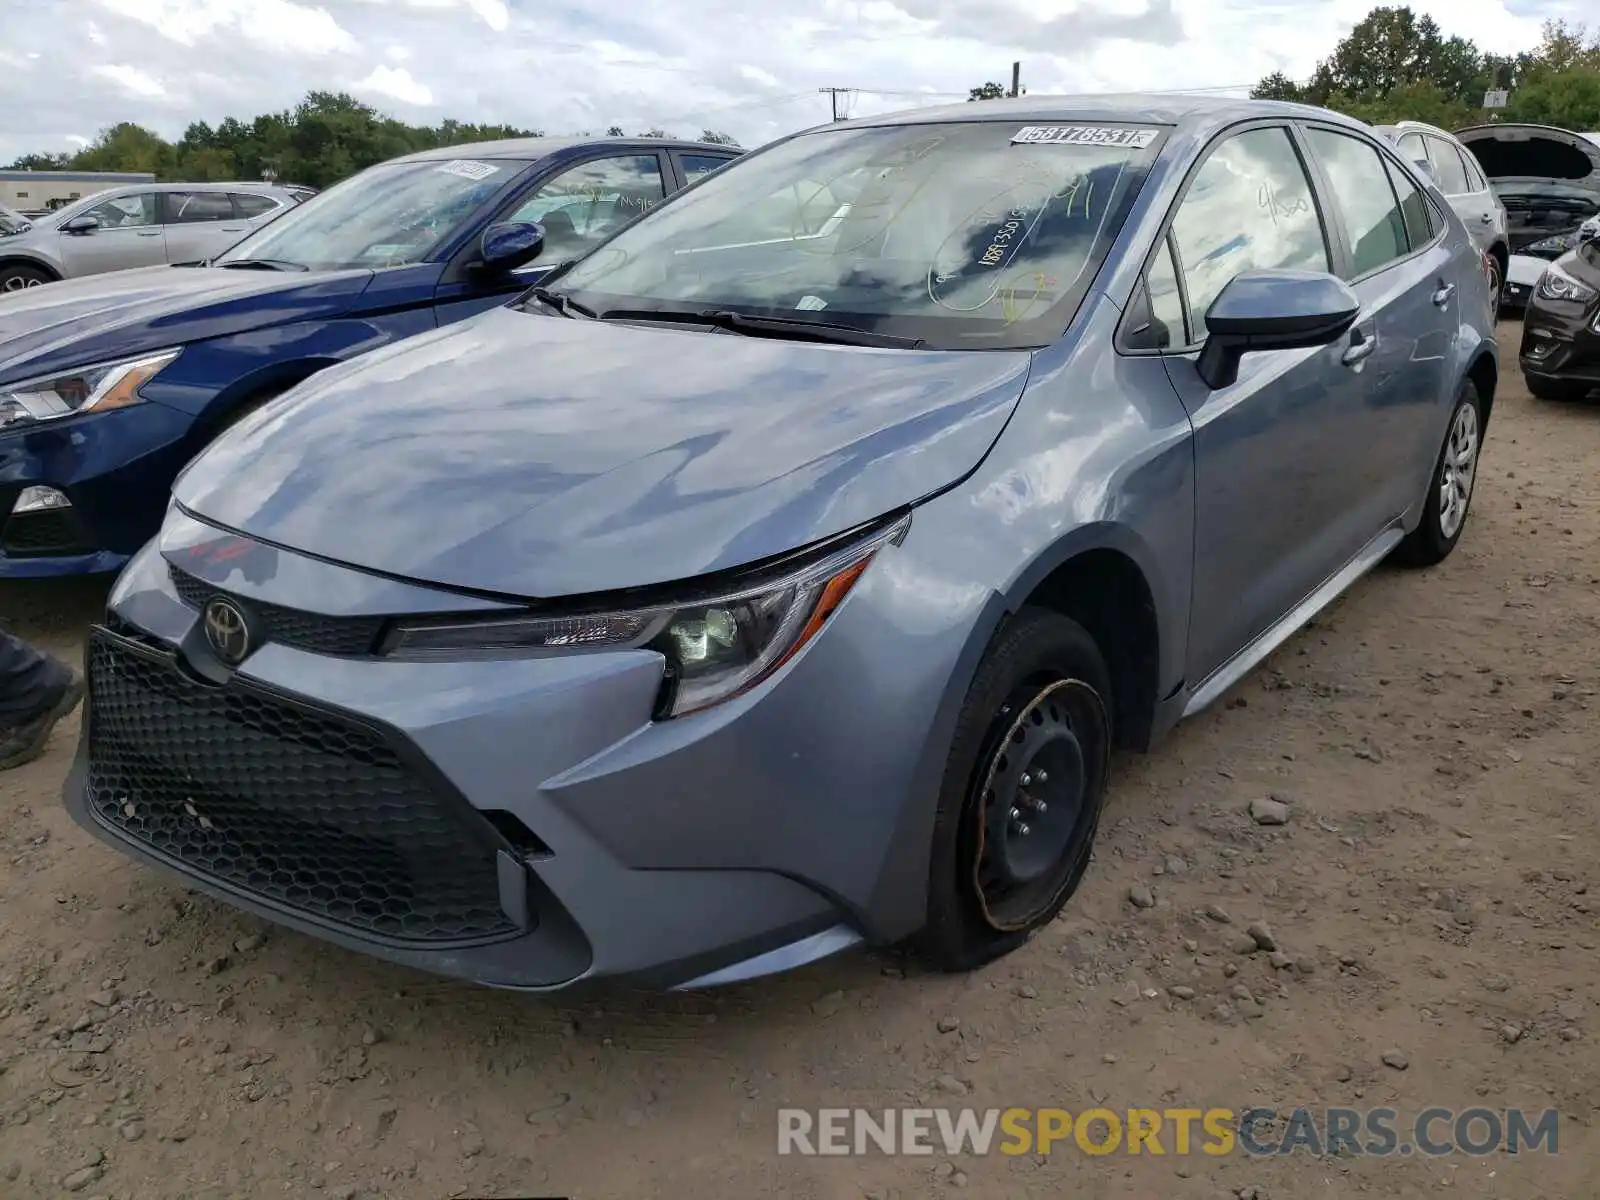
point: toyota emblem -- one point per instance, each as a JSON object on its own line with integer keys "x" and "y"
{"x": 227, "y": 630}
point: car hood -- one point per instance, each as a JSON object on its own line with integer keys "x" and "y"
{"x": 1534, "y": 152}
{"x": 118, "y": 313}
{"x": 537, "y": 456}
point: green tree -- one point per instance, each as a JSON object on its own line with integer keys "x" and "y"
{"x": 614, "y": 131}
{"x": 987, "y": 91}
{"x": 720, "y": 139}
{"x": 1277, "y": 86}
{"x": 1569, "y": 99}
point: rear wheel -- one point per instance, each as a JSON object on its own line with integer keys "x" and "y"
{"x": 1022, "y": 791}
{"x": 1497, "y": 284}
{"x": 15, "y": 277}
{"x": 1444, "y": 516}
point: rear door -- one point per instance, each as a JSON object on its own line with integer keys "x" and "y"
{"x": 200, "y": 225}
{"x": 129, "y": 234}
{"x": 1399, "y": 260}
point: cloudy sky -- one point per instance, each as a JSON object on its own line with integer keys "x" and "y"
{"x": 750, "y": 67}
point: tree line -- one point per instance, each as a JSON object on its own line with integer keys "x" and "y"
{"x": 1395, "y": 65}
{"x": 323, "y": 139}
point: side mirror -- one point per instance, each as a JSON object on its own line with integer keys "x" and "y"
{"x": 507, "y": 245}
{"x": 1272, "y": 310}
{"x": 81, "y": 225}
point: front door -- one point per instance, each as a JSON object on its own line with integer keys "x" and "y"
{"x": 128, "y": 234}
{"x": 579, "y": 207}
{"x": 1276, "y": 504}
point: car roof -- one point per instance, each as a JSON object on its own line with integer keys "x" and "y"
{"x": 244, "y": 185}
{"x": 1420, "y": 126}
{"x": 1191, "y": 112}
{"x": 539, "y": 147}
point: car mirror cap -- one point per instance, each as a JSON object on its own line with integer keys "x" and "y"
{"x": 1273, "y": 310}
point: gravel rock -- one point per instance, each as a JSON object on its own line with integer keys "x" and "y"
{"x": 1218, "y": 914}
{"x": 949, "y": 1024}
{"x": 1140, "y": 896}
{"x": 1243, "y": 943}
{"x": 1396, "y": 1060}
{"x": 1269, "y": 811}
{"x": 1280, "y": 961}
{"x": 951, "y": 1085}
{"x": 1179, "y": 991}
{"x": 1261, "y": 935}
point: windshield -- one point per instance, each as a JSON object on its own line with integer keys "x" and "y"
{"x": 390, "y": 215}
{"x": 972, "y": 234}
{"x": 12, "y": 221}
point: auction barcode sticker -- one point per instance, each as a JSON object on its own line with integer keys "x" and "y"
{"x": 468, "y": 169}
{"x": 1084, "y": 135}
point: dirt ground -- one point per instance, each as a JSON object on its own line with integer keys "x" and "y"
{"x": 1433, "y": 737}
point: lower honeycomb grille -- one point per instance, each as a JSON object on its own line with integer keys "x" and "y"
{"x": 308, "y": 810}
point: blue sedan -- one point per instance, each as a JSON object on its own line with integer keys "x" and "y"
{"x": 110, "y": 384}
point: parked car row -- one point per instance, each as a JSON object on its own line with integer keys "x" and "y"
{"x": 589, "y": 583}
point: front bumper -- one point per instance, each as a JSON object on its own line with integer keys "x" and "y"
{"x": 116, "y": 469}
{"x": 520, "y": 823}
{"x": 1561, "y": 342}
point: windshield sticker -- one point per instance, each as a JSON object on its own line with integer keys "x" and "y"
{"x": 467, "y": 169}
{"x": 811, "y": 303}
{"x": 1083, "y": 135}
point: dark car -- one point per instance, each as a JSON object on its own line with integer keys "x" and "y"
{"x": 110, "y": 384}
{"x": 1548, "y": 180}
{"x": 782, "y": 574}
{"x": 1561, "y": 330}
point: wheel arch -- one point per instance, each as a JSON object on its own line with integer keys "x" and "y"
{"x": 1484, "y": 373}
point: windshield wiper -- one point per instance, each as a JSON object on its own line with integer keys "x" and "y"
{"x": 561, "y": 302}
{"x": 769, "y": 326}
{"x": 261, "y": 264}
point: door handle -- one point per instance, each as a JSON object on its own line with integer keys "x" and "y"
{"x": 1358, "y": 350}
{"x": 1442, "y": 296}
{"x": 233, "y": 229}
{"x": 150, "y": 233}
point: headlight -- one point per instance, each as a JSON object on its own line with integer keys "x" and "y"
{"x": 1551, "y": 247}
{"x": 716, "y": 646}
{"x": 1556, "y": 284}
{"x": 96, "y": 388}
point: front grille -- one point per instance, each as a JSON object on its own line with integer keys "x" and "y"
{"x": 47, "y": 531}
{"x": 290, "y": 626}
{"x": 306, "y": 809}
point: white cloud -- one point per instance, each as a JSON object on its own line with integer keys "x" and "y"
{"x": 131, "y": 78}
{"x": 757, "y": 75}
{"x": 94, "y": 34}
{"x": 78, "y": 140}
{"x": 278, "y": 25}
{"x": 750, "y": 67}
{"x": 395, "y": 83}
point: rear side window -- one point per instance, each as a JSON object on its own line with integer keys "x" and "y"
{"x": 1413, "y": 207}
{"x": 249, "y": 207}
{"x": 186, "y": 207}
{"x": 1411, "y": 146}
{"x": 1447, "y": 167}
{"x": 1363, "y": 195}
{"x": 696, "y": 165}
{"x": 1249, "y": 207}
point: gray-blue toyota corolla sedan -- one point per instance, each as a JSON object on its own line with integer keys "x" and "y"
{"x": 782, "y": 574}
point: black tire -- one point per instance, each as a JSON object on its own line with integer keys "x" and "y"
{"x": 1497, "y": 285}
{"x": 15, "y": 277}
{"x": 1044, "y": 693}
{"x": 1432, "y": 540}
{"x": 1557, "y": 389}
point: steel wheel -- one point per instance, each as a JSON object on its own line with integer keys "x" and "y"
{"x": 1045, "y": 765}
{"x": 1459, "y": 470}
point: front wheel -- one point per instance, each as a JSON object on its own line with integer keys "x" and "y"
{"x": 14, "y": 277}
{"x": 1022, "y": 791}
{"x": 1444, "y": 515}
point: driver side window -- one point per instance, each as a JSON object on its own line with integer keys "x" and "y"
{"x": 1248, "y": 207}
{"x": 586, "y": 203}
{"x": 126, "y": 212}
